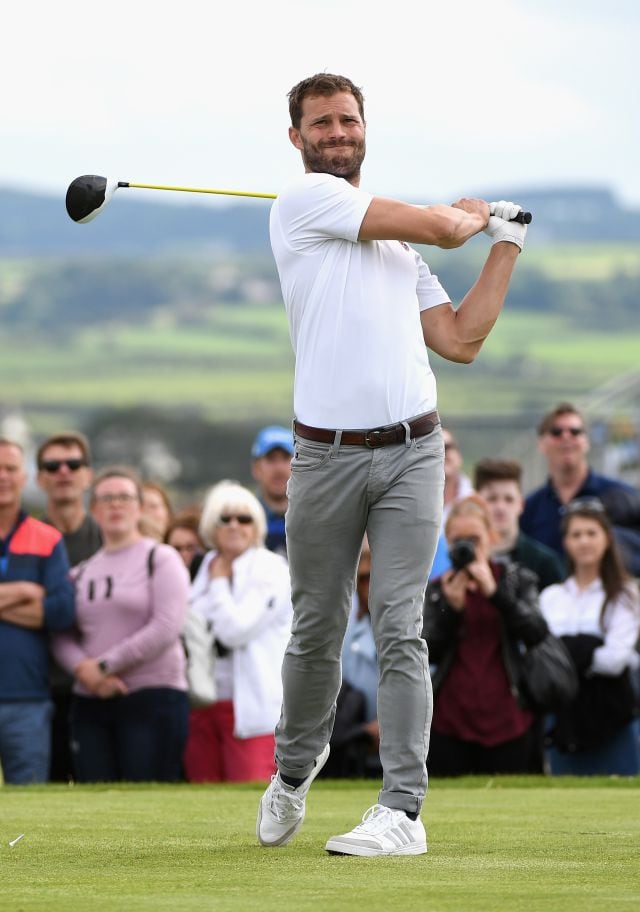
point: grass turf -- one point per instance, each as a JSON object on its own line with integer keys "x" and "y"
{"x": 495, "y": 844}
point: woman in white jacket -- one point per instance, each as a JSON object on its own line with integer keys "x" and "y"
{"x": 596, "y": 611}
{"x": 243, "y": 590}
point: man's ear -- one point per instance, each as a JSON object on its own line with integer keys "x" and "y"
{"x": 294, "y": 136}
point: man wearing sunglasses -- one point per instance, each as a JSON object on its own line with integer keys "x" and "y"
{"x": 36, "y": 597}
{"x": 563, "y": 440}
{"x": 65, "y": 475}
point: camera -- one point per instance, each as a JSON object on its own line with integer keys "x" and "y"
{"x": 461, "y": 553}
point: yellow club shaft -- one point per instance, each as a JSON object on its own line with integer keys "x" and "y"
{"x": 198, "y": 190}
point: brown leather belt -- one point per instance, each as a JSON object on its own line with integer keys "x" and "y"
{"x": 375, "y": 437}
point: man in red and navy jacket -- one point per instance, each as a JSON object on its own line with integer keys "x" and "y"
{"x": 36, "y": 597}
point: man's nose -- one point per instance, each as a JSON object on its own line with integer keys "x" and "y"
{"x": 336, "y": 128}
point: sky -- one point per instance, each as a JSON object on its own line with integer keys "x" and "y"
{"x": 460, "y": 97}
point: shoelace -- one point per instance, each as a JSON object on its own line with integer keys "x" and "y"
{"x": 376, "y": 819}
{"x": 282, "y": 803}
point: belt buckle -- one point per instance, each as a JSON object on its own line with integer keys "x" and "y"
{"x": 373, "y": 438}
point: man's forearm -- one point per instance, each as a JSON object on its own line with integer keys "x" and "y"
{"x": 481, "y": 306}
{"x": 26, "y": 614}
{"x": 15, "y": 593}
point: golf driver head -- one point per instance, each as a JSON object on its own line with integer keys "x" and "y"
{"x": 87, "y": 195}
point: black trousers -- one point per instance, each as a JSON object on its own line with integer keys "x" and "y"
{"x": 450, "y": 756}
{"x": 136, "y": 738}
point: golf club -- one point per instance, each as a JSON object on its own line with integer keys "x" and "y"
{"x": 89, "y": 194}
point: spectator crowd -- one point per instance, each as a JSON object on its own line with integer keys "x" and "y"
{"x": 141, "y": 643}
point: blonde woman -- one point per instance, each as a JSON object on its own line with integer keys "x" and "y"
{"x": 243, "y": 590}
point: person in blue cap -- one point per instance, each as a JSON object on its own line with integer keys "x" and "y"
{"x": 271, "y": 452}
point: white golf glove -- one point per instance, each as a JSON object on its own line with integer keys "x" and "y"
{"x": 500, "y": 228}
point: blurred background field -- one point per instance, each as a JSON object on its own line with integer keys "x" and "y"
{"x": 159, "y": 330}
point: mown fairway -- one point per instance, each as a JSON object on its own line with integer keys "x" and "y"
{"x": 521, "y": 844}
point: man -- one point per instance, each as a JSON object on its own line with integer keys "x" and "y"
{"x": 564, "y": 442}
{"x": 271, "y": 467}
{"x": 368, "y": 453}
{"x": 65, "y": 475}
{"x": 457, "y": 485}
{"x": 36, "y": 596}
{"x": 499, "y": 482}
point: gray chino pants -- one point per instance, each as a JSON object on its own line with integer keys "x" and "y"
{"x": 337, "y": 492}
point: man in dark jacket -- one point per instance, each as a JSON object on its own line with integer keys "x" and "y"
{"x": 36, "y": 596}
{"x": 564, "y": 442}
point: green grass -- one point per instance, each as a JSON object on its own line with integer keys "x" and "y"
{"x": 496, "y": 844}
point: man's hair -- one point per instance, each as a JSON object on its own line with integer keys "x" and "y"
{"x": 563, "y": 408}
{"x": 321, "y": 84}
{"x": 4, "y": 441}
{"x": 65, "y": 439}
{"x": 488, "y": 470}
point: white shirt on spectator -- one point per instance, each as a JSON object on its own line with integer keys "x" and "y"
{"x": 569, "y": 611}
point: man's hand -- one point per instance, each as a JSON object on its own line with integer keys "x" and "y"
{"x": 18, "y": 592}
{"x": 500, "y": 228}
{"x": 504, "y": 210}
{"x": 474, "y": 207}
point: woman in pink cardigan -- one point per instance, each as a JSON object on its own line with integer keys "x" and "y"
{"x": 129, "y": 718}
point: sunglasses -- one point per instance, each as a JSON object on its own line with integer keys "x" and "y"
{"x": 54, "y": 465}
{"x": 364, "y": 577}
{"x": 243, "y": 518}
{"x": 559, "y": 431}
{"x": 583, "y": 505}
{"x": 122, "y": 498}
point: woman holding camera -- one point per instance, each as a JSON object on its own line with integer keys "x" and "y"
{"x": 476, "y": 616}
{"x": 596, "y": 612}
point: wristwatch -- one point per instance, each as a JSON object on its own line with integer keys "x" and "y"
{"x": 102, "y": 665}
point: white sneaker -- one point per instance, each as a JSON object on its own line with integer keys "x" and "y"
{"x": 383, "y": 831}
{"x": 281, "y": 810}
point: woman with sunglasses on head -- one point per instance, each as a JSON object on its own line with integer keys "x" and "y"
{"x": 476, "y": 617}
{"x": 596, "y": 611}
{"x": 243, "y": 590}
{"x": 130, "y": 710}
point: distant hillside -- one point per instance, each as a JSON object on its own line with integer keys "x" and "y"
{"x": 33, "y": 224}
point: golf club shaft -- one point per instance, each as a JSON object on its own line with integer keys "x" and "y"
{"x": 522, "y": 217}
{"x": 198, "y": 190}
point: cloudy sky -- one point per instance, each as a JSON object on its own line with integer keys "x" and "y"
{"x": 460, "y": 97}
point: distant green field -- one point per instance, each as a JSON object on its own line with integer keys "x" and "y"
{"x": 494, "y": 845}
{"x": 241, "y": 366}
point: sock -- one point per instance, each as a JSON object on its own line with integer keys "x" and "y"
{"x": 289, "y": 780}
{"x": 412, "y": 815}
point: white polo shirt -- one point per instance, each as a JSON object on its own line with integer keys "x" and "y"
{"x": 353, "y": 309}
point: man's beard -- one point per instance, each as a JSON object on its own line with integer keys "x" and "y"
{"x": 320, "y": 160}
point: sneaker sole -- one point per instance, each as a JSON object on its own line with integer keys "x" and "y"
{"x": 335, "y": 847}
{"x": 288, "y": 836}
